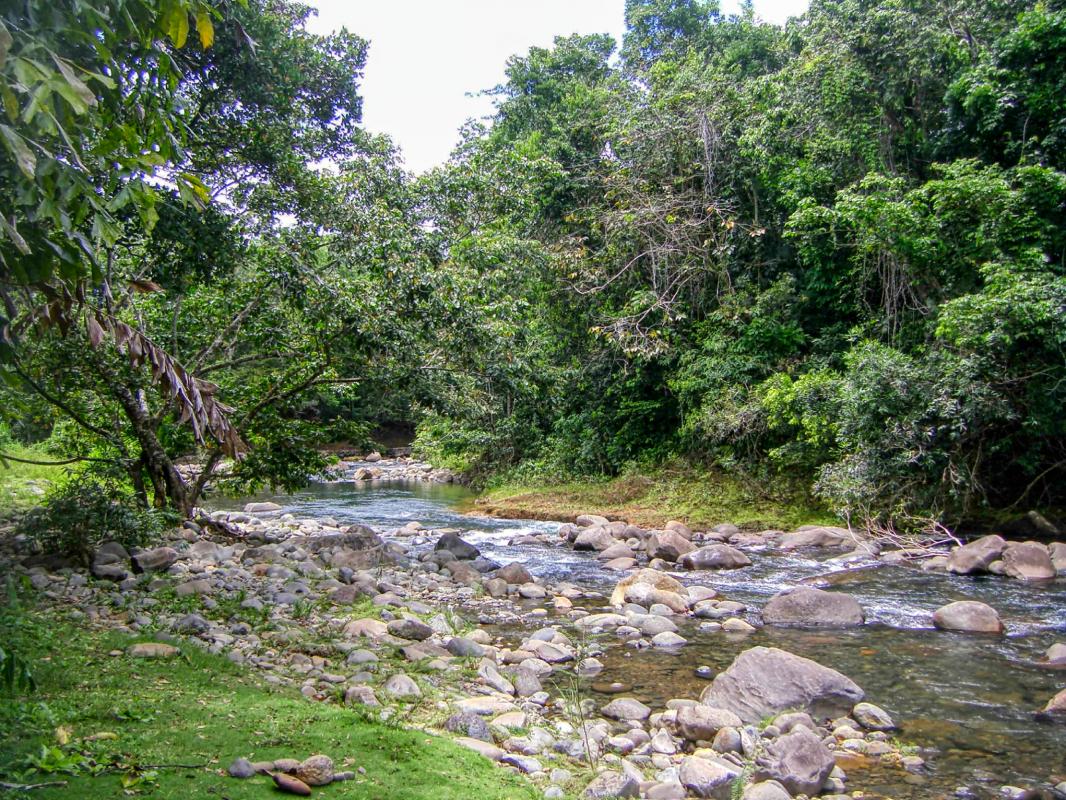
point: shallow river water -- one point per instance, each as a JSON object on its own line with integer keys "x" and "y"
{"x": 970, "y": 698}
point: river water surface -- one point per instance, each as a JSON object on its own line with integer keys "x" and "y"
{"x": 970, "y": 698}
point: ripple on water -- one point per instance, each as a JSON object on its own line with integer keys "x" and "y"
{"x": 970, "y": 697}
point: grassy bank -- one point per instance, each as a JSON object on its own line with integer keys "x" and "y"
{"x": 23, "y": 485}
{"x": 168, "y": 729}
{"x": 700, "y": 498}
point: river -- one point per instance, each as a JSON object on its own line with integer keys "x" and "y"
{"x": 970, "y": 698}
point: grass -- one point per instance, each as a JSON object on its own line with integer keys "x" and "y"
{"x": 24, "y": 485}
{"x": 122, "y": 718}
{"x": 698, "y": 497}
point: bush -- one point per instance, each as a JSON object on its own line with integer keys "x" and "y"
{"x": 79, "y": 516}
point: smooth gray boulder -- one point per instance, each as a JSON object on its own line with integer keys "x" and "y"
{"x": 969, "y": 616}
{"x": 612, "y": 784}
{"x": 706, "y": 778}
{"x": 715, "y": 556}
{"x": 806, "y": 606}
{"x": 765, "y": 681}
{"x": 461, "y": 549}
{"x": 1028, "y": 561}
{"x": 975, "y": 556}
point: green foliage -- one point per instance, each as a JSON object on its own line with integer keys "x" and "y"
{"x": 79, "y": 516}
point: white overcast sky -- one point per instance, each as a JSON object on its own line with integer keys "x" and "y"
{"x": 426, "y": 56}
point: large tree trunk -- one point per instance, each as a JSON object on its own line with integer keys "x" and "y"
{"x": 168, "y": 485}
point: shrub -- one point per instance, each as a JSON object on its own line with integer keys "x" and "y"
{"x": 79, "y": 516}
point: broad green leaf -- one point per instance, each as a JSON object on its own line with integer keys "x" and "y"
{"x": 177, "y": 26}
{"x": 24, "y": 157}
{"x": 76, "y": 83}
{"x": 205, "y": 28}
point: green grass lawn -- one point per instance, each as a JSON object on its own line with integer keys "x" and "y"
{"x": 127, "y": 716}
{"x": 23, "y": 485}
{"x": 700, "y": 498}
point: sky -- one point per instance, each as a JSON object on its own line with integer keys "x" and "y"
{"x": 429, "y": 58}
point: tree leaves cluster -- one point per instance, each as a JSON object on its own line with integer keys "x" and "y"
{"x": 830, "y": 250}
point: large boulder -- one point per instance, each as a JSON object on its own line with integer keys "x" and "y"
{"x": 591, "y": 520}
{"x": 799, "y": 761}
{"x": 1057, "y": 705}
{"x": 1028, "y": 561}
{"x": 634, "y": 585}
{"x": 715, "y": 556}
{"x": 668, "y": 545}
{"x": 766, "y": 681}
{"x": 594, "y": 538}
{"x": 610, "y": 784}
{"x": 969, "y": 616}
{"x": 457, "y": 547}
{"x": 805, "y": 606}
{"x": 975, "y": 556}
{"x": 818, "y": 536}
{"x": 1057, "y": 551}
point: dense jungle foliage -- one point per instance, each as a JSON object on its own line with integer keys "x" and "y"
{"x": 831, "y": 254}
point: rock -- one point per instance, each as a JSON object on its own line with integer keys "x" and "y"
{"x": 195, "y": 587}
{"x": 766, "y": 790}
{"x": 1057, "y": 704}
{"x": 611, "y": 784}
{"x": 818, "y": 536}
{"x": 491, "y": 676}
{"x": 680, "y": 528}
{"x": 1056, "y": 654}
{"x": 968, "y": 615}
{"x": 873, "y": 718}
{"x": 468, "y": 724}
{"x": 596, "y": 538}
{"x": 240, "y": 768}
{"x": 316, "y": 770}
{"x": 461, "y": 549}
{"x": 1057, "y": 551}
{"x": 626, "y": 708}
{"x": 372, "y": 457}
{"x": 154, "y": 560}
{"x": 192, "y": 623}
{"x": 1028, "y": 561}
{"x": 668, "y": 545}
{"x": 715, "y": 556}
{"x": 152, "y": 650}
{"x": 766, "y": 681}
{"x": 288, "y": 783}
{"x": 799, "y": 761}
{"x": 400, "y": 685}
{"x": 407, "y": 628}
{"x": 496, "y": 587}
{"x": 360, "y": 695}
{"x": 514, "y": 573}
{"x": 461, "y": 647}
{"x": 976, "y": 556}
{"x": 490, "y": 751}
{"x": 705, "y": 778}
{"x": 804, "y": 606}
{"x": 627, "y": 588}
{"x": 372, "y": 628}
{"x": 592, "y": 520}
{"x": 615, "y": 551}
{"x": 261, "y": 508}
{"x": 701, "y": 723}
{"x": 668, "y": 639}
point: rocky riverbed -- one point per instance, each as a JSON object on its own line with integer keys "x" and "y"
{"x": 602, "y": 685}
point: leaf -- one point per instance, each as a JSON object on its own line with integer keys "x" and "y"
{"x": 144, "y": 287}
{"x": 76, "y": 83}
{"x": 5, "y": 43}
{"x": 205, "y": 28}
{"x": 11, "y": 103}
{"x": 95, "y": 330}
{"x": 177, "y": 26}
{"x": 63, "y": 735}
{"x": 24, "y": 157}
{"x": 15, "y": 236}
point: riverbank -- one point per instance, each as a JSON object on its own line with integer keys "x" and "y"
{"x": 103, "y": 722}
{"x": 700, "y": 498}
